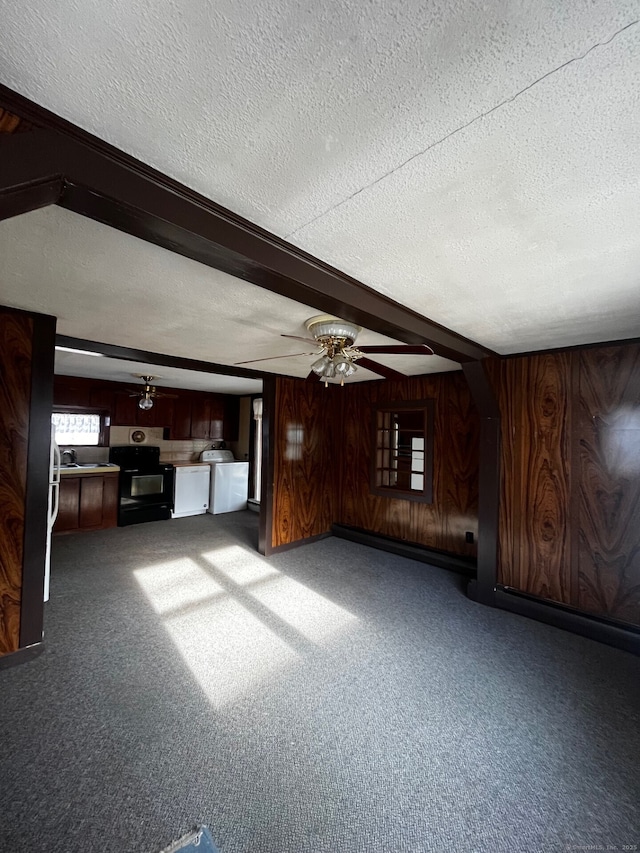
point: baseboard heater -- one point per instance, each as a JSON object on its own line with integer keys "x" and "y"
{"x": 619, "y": 634}
{"x": 442, "y": 559}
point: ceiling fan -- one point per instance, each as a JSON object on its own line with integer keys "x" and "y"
{"x": 148, "y": 393}
{"x": 334, "y": 340}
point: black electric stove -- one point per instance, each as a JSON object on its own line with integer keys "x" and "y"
{"x": 146, "y": 484}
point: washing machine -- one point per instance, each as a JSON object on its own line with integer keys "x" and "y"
{"x": 229, "y": 483}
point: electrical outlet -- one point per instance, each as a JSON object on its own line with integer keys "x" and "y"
{"x": 468, "y": 537}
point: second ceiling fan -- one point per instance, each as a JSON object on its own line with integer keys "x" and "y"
{"x": 335, "y": 339}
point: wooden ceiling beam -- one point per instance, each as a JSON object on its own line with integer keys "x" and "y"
{"x": 109, "y": 186}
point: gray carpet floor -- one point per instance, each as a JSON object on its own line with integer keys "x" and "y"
{"x": 332, "y": 698}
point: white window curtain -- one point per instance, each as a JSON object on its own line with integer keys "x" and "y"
{"x": 257, "y": 448}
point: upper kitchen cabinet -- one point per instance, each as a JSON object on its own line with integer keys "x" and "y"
{"x": 181, "y": 426}
{"x": 160, "y": 415}
{"x": 72, "y": 391}
{"x": 187, "y": 414}
{"x": 200, "y": 416}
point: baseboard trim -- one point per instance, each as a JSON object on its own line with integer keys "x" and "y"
{"x": 289, "y": 546}
{"x": 560, "y": 616}
{"x": 441, "y": 559}
{"x": 21, "y": 655}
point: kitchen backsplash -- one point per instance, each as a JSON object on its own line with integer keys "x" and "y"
{"x": 170, "y": 451}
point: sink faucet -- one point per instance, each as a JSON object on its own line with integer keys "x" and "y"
{"x": 69, "y": 456}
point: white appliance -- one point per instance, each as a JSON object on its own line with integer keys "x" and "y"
{"x": 191, "y": 490}
{"x": 53, "y": 505}
{"x": 229, "y": 481}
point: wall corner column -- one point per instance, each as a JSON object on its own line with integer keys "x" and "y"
{"x": 484, "y": 587}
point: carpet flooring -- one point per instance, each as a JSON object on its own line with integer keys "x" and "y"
{"x": 332, "y": 698}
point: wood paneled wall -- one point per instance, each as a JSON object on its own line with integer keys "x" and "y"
{"x": 16, "y": 333}
{"x": 306, "y": 447}
{"x": 454, "y": 511}
{"x": 570, "y": 501}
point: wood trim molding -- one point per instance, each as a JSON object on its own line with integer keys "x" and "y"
{"x": 483, "y": 588}
{"x": 35, "y": 523}
{"x": 265, "y": 529}
{"x": 107, "y": 185}
{"x": 21, "y": 656}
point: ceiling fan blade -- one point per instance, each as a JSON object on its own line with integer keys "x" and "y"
{"x": 380, "y": 369}
{"x": 271, "y": 357}
{"x": 400, "y": 349}
{"x": 161, "y": 394}
{"x": 312, "y": 375}
{"x": 304, "y": 340}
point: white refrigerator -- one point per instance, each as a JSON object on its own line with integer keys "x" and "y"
{"x": 53, "y": 505}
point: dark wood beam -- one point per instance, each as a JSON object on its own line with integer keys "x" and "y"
{"x": 146, "y": 357}
{"x": 484, "y": 587}
{"x": 109, "y": 186}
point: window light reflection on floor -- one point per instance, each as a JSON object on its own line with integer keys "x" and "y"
{"x": 228, "y": 649}
{"x": 234, "y": 617}
{"x": 177, "y": 584}
{"x": 312, "y": 615}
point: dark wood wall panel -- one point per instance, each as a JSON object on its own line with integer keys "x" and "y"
{"x": 545, "y": 476}
{"x": 16, "y": 331}
{"x": 305, "y": 461}
{"x": 535, "y": 398}
{"x": 570, "y": 480}
{"x": 504, "y": 376}
{"x": 454, "y": 511}
{"x": 608, "y": 436}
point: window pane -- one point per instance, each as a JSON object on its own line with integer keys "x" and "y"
{"x": 76, "y": 428}
{"x": 417, "y": 461}
{"x": 417, "y": 482}
{"x": 403, "y": 448}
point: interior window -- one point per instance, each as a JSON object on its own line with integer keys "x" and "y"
{"x": 403, "y": 448}
{"x": 79, "y": 428}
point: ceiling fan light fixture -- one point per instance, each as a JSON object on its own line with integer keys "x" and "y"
{"x": 343, "y": 365}
{"x": 330, "y": 370}
{"x": 320, "y": 366}
{"x": 324, "y": 327}
{"x": 145, "y": 403}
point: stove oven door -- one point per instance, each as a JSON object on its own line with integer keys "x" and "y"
{"x": 145, "y": 495}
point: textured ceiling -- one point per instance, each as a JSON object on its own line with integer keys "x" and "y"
{"x": 478, "y": 162}
{"x": 104, "y": 285}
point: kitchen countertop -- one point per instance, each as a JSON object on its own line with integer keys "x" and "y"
{"x": 189, "y": 464}
{"x": 87, "y": 468}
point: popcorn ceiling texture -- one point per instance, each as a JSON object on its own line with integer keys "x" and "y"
{"x": 518, "y": 229}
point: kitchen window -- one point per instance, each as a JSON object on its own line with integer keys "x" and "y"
{"x": 403, "y": 450}
{"x": 84, "y": 427}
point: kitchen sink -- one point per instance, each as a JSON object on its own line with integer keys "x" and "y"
{"x": 95, "y": 465}
{"x": 86, "y": 465}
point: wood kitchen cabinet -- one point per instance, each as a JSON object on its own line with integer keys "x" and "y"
{"x": 160, "y": 415}
{"x": 87, "y": 502}
{"x": 181, "y": 426}
{"x": 200, "y": 417}
{"x": 188, "y": 414}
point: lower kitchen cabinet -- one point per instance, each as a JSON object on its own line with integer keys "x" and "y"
{"x": 87, "y": 502}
